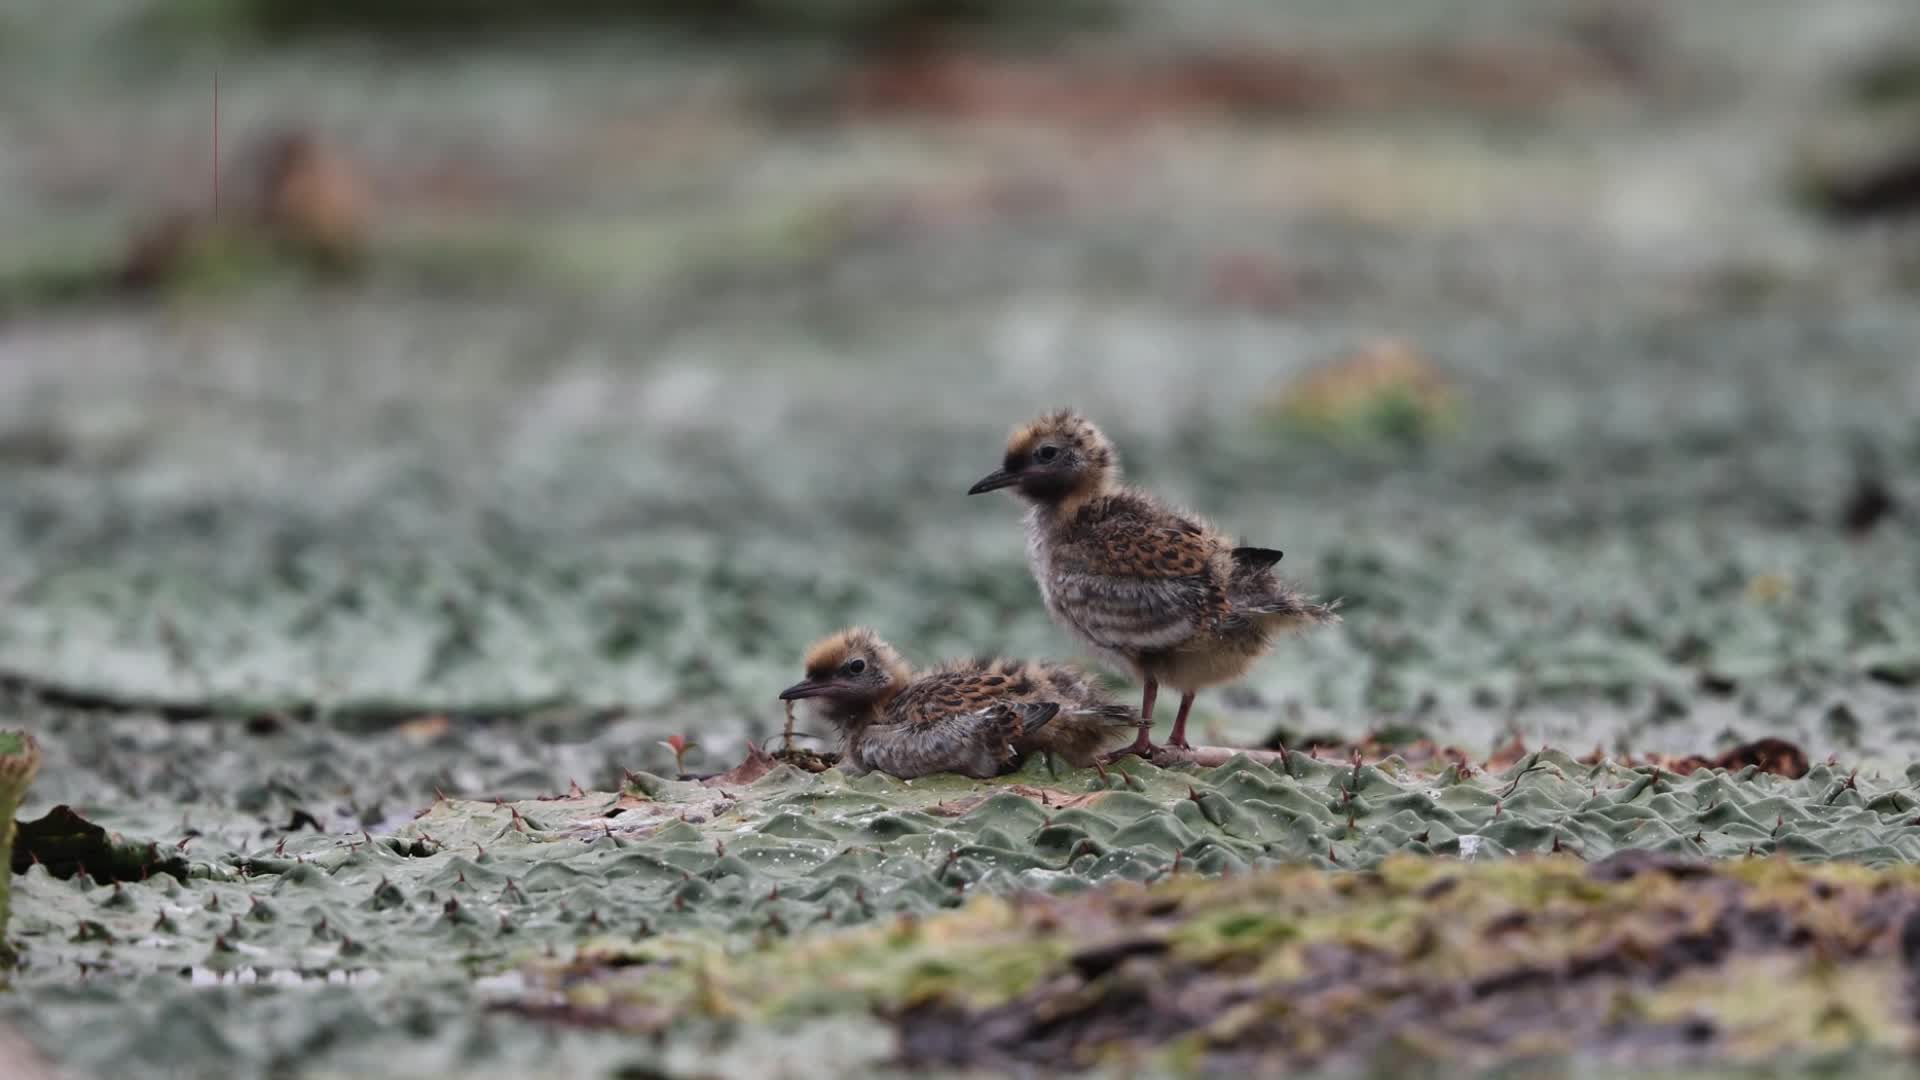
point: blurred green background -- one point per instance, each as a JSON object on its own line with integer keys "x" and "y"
{"x": 547, "y": 376}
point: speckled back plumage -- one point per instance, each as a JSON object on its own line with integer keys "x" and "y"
{"x": 1087, "y": 722}
{"x": 978, "y": 739}
{"x": 1129, "y": 577}
{"x": 975, "y": 717}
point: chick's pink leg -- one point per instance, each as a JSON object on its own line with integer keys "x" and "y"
{"x": 1141, "y": 744}
{"x": 1179, "y": 736}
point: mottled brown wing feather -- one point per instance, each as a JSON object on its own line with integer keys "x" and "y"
{"x": 954, "y": 720}
{"x": 962, "y": 687}
{"x": 1134, "y": 584}
{"x": 970, "y": 690}
{"x": 1124, "y": 547}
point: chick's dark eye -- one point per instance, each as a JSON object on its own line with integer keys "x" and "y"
{"x": 1047, "y": 453}
{"x": 855, "y": 667}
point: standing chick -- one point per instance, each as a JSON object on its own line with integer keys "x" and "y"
{"x": 974, "y": 717}
{"x": 1155, "y": 590}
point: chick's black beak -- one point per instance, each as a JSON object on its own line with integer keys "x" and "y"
{"x": 994, "y": 481}
{"x": 806, "y": 688}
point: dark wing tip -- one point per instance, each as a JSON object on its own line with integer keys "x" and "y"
{"x": 1256, "y": 558}
{"x": 1036, "y": 714}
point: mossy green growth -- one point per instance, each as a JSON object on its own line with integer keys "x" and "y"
{"x": 982, "y": 955}
{"x": 1386, "y": 392}
{"x": 19, "y": 761}
{"x": 1637, "y": 957}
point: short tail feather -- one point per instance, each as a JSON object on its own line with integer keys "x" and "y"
{"x": 1252, "y": 560}
{"x": 1256, "y": 590}
{"x": 1282, "y": 602}
{"x": 1117, "y": 715}
{"x": 1315, "y": 612}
